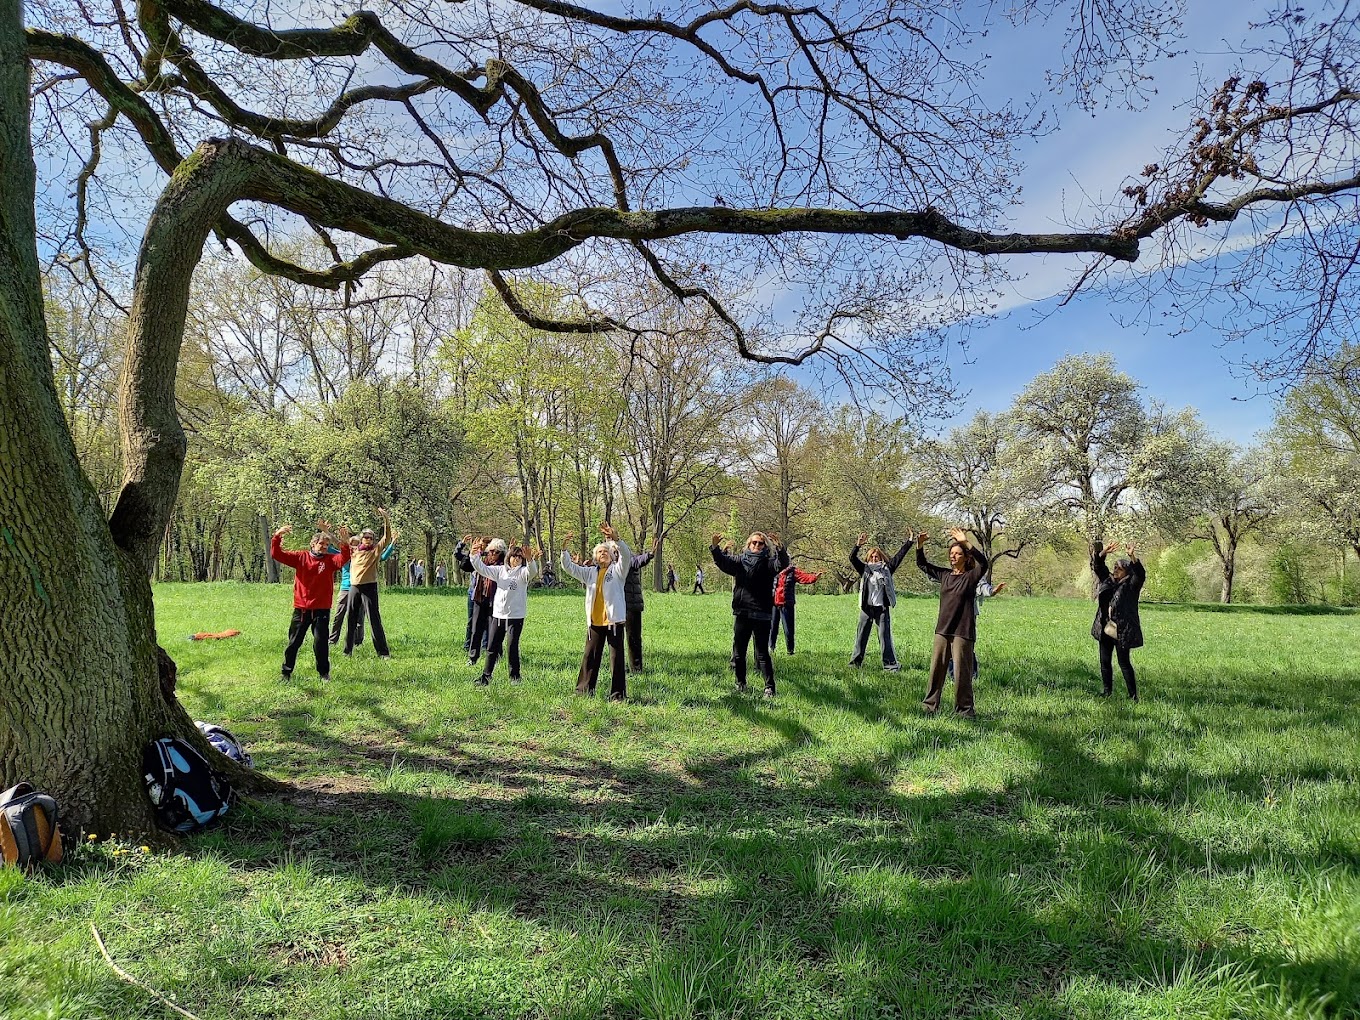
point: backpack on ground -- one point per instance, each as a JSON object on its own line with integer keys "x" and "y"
{"x": 226, "y": 742}
{"x": 29, "y": 832}
{"x": 183, "y": 788}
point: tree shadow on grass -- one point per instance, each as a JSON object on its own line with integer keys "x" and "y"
{"x": 772, "y": 881}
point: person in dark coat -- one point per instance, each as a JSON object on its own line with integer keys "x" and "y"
{"x": 877, "y": 597}
{"x": 1116, "y": 625}
{"x": 956, "y": 623}
{"x": 633, "y": 600}
{"x": 753, "y": 573}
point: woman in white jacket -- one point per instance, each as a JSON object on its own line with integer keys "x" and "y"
{"x": 508, "y": 607}
{"x": 606, "y": 609}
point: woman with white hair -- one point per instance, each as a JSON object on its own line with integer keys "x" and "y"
{"x": 508, "y": 608}
{"x": 1116, "y": 625}
{"x": 606, "y": 610}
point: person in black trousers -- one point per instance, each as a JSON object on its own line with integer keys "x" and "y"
{"x": 635, "y": 603}
{"x": 753, "y": 574}
{"x": 1116, "y": 625}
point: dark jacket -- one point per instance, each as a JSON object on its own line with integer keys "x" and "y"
{"x": 753, "y": 580}
{"x": 482, "y": 589}
{"x": 632, "y": 584}
{"x": 1118, "y": 600}
{"x": 892, "y": 565}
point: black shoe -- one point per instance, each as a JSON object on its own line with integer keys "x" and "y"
{"x": 855, "y": 664}
{"x": 285, "y": 676}
{"x": 325, "y": 678}
{"x": 1133, "y": 697}
{"x": 616, "y": 696}
{"x": 928, "y": 710}
{"x": 482, "y": 681}
{"x": 385, "y": 655}
{"x": 967, "y": 714}
{"x": 739, "y": 689}
{"x": 1105, "y": 694}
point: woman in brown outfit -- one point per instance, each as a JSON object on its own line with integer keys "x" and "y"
{"x": 956, "y": 625}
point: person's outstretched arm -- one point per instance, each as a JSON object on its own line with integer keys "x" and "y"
{"x": 929, "y": 569}
{"x": 855, "y": 561}
{"x": 898, "y": 557}
{"x": 724, "y": 562}
{"x": 1098, "y": 554}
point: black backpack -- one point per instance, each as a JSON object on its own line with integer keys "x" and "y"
{"x": 183, "y": 788}
{"x": 222, "y": 739}
{"x": 28, "y": 827}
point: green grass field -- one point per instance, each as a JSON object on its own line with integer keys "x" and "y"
{"x": 450, "y": 851}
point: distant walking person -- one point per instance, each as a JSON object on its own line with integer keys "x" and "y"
{"x": 671, "y": 579}
{"x": 753, "y": 574}
{"x": 635, "y": 605}
{"x": 698, "y": 582}
{"x": 956, "y": 624}
{"x": 786, "y": 584}
{"x": 363, "y": 592}
{"x": 441, "y": 576}
{"x": 1116, "y": 625}
{"x": 877, "y": 597}
{"x": 606, "y": 610}
{"x": 508, "y": 608}
{"x": 313, "y": 592}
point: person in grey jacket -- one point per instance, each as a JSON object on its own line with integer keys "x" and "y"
{"x": 877, "y": 596}
{"x": 1116, "y": 625}
{"x": 633, "y": 600}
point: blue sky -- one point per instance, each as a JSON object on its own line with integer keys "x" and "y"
{"x": 1070, "y": 173}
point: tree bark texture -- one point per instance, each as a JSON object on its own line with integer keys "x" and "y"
{"x": 79, "y": 691}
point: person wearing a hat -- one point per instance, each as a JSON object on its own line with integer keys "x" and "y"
{"x": 483, "y": 597}
{"x": 508, "y": 608}
{"x": 606, "y": 610}
{"x": 363, "y": 593}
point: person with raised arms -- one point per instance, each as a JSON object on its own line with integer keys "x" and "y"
{"x": 877, "y": 597}
{"x": 606, "y": 610}
{"x": 956, "y": 623}
{"x": 1116, "y": 625}
{"x": 753, "y": 573}
{"x": 509, "y": 607}
{"x": 363, "y": 593}
{"x": 313, "y": 592}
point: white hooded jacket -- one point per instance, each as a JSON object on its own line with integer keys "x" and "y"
{"x": 512, "y": 586}
{"x": 615, "y": 607}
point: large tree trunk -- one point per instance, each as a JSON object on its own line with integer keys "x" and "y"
{"x": 1229, "y": 572}
{"x": 80, "y": 685}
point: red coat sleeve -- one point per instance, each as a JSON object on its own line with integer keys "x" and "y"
{"x": 288, "y": 559}
{"x": 802, "y": 577}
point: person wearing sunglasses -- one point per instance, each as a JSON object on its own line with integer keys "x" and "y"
{"x": 753, "y": 573}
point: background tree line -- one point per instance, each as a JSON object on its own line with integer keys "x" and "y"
{"x": 425, "y": 394}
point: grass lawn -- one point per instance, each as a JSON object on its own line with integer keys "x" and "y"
{"x": 450, "y": 851}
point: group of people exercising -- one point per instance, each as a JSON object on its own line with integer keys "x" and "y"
{"x": 763, "y": 598}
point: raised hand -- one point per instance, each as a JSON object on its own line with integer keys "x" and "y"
{"x": 607, "y": 530}
{"x": 1109, "y": 548}
{"x": 344, "y": 536}
{"x": 717, "y": 538}
{"x": 921, "y": 538}
{"x": 382, "y": 512}
{"x": 656, "y": 543}
{"x": 861, "y": 539}
{"x": 958, "y": 535}
{"x": 287, "y": 529}
{"x": 1129, "y": 549}
{"x": 999, "y": 588}
{"x": 395, "y": 535}
{"x": 773, "y": 539}
{"x": 322, "y": 524}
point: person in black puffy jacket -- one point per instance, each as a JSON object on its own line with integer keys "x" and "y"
{"x": 1116, "y": 625}
{"x": 753, "y": 572}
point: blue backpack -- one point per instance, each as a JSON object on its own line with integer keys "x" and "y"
{"x": 183, "y": 788}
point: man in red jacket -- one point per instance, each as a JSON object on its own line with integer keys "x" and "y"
{"x": 313, "y": 591}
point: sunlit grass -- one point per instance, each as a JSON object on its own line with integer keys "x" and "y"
{"x": 458, "y": 852}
